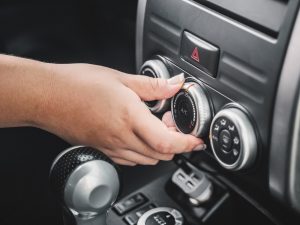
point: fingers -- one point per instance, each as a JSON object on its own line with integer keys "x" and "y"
{"x": 138, "y": 158}
{"x": 129, "y": 157}
{"x": 123, "y": 161}
{"x": 156, "y": 134}
{"x": 167, "y": 119}
{"x": 148, "y": 88}
{"x": 172, "y": 129}
{"x": 138, "y": 153}
{"x": 116, "y": 158}
{"x": 139, "y": 146}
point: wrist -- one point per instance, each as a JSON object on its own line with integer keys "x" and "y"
{"x": 44, "y": 102}
{"x": 24, "y": 89}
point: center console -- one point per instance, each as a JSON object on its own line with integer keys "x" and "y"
{"x": 241, "y": 65}
{"x": 234, "y": 55}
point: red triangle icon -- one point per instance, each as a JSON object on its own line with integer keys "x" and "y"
{"x": 195, "y": 55}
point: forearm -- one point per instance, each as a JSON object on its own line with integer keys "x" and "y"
{"x": 23, "y": 89}
{"x": 92, "y": 105}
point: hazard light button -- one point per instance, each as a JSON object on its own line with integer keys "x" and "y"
{"x": 200, "y": 53}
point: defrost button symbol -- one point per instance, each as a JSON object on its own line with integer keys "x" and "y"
{"x": 223, "y": 122}
{"x": 231, "y": 128}
{"x": 236, "y": 140}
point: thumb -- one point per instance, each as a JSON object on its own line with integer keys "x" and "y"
{"x": 149, "y": 89}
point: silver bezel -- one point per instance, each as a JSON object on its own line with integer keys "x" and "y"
{"x": 160, "y": 71}
{"x": 139, "y": 36}
{"x": 248, "y": 142}
{"x": 203, "y": 109}
{"x": 177, "y": 215}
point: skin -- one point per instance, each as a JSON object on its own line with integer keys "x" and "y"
{"x": 93, "y": 105}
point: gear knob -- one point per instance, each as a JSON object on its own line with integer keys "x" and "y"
{"x": 87, "y": 183}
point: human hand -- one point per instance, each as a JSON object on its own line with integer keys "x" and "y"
{"x": 104, "y": 108}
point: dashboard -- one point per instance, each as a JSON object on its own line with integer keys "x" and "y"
{"x": 240, "y": 60}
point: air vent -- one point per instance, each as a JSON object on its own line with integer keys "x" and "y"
{"x": 263, "y": 15}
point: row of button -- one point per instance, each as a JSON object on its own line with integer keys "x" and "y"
{"x": 130, "y": 205}
{"x": 226, "y": 140}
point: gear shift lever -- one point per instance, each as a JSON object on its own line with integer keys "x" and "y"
{"x": 86, "y": 182}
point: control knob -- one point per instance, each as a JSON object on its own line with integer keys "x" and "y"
{"x": 191, "y": 109}
{"x": 233, "y": 139}
{"x": 155, "y": 68}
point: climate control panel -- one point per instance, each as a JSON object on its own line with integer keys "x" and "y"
{"x": 231, "y": 133}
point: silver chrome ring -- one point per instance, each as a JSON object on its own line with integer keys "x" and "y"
{"x": 159, "y": 70}
{"x": 248, "y": 143}
{"x": 203, "y": 110}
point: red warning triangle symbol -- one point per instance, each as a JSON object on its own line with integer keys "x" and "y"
{"x": 195, "y": 55}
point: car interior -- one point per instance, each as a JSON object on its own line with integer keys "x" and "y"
{"x": 241, "y": 95}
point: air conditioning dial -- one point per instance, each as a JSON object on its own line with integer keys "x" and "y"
{"x": 157, "y": 69}
{"x": 191, "y": 109}
{"x": 233, "y": 139}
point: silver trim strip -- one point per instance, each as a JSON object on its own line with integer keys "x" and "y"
{"x": 139, "y": 35}
{"x": 295, "y": 156}
{"x": 284, "y": 149}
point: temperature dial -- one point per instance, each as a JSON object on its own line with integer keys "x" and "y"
{"x": 191, "y": 109}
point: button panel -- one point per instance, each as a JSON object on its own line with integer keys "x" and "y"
{"x": 224, "y": 133}
{"x": 129, "y": 203}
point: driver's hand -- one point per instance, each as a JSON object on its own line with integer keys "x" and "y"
{"x": 103, "y": 108}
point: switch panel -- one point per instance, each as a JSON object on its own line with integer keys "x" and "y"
{"x": 129, "y": 203}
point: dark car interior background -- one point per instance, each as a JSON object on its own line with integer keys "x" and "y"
{"x": 242, "y": 60}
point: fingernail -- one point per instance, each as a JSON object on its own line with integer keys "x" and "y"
{"x": 178, "y": 79}
{"x": 200, "y": 147}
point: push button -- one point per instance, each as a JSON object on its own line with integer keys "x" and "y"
{"x": 200, "y": 53}
{"x": 132, "y": 218}
{"x": 129, "y": 203}
{"x": 225, "y": 140}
